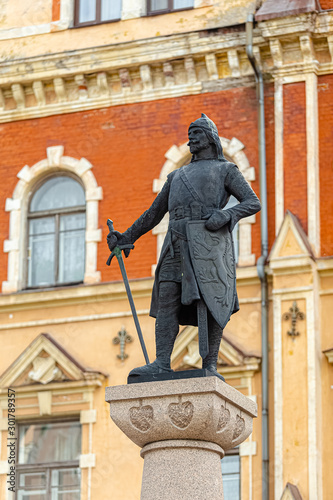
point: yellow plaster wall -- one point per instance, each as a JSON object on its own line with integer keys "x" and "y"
{"x": 293, "y": 280}
{"x": 20, "y": 13}
{"x": 290, "y": 246}
{"x": 295, "y": 403}
{"x": 118, "y": 463}
{"x": 222, "y": 13}
{"x": 256, "y": 436}
{"x": 243, "y": 328}
{"x": 327, "y": 392}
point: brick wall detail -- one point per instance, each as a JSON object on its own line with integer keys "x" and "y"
{"x": 126, "y": 146}
{"x": 295, "y": 151}
{"x": 325, "y": 112}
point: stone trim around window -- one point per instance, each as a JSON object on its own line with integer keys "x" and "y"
{"x": 18, "y": 207}
{"x": 176, "y": 157}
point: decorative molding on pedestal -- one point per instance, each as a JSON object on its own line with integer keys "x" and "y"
{"x": 184, "y": 427}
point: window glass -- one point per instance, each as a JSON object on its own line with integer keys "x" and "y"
{"x": 56, "y": 240}
{"x": 65, "y": 484}
{"x": 231, "y": 477}
{"x": 158, "y": 5}
{"x": 182, "y": 4}
{"x": 41, "y": 255}
{"x": 87, "y": 11}
{"x": 71, "y": 247}
{"x": 49, "y": 442}
{"x": 33, "y": 480}
{"x": 110, "y": 9}
{"x": 34, "y": 494}
{"x": 58, "y": 192}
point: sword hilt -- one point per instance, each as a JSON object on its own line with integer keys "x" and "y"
{"x": 118, "y": 249}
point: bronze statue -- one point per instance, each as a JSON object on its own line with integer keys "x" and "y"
{"x": 195, "y": 280}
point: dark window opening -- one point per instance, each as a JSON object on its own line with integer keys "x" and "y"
{"x": 90, "y": 12}
{"x": 56, "y": 233}
{"x": 164, "y": 6}
{"x": 48, "y": 461}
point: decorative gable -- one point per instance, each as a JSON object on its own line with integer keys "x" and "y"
{"x": 44, "y": 361}
{"x": 230, "y": 361}
{"x": 291, "y": 492}
{"x": 291, "y": 244}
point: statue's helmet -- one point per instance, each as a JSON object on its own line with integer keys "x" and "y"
{"x": 210, "y": 129}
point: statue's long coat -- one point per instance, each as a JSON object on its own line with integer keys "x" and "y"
{"x": 211, "y": 183}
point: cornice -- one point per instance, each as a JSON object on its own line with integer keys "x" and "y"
{"x": 56, "y": 297}
{"x": 163, "y": 67}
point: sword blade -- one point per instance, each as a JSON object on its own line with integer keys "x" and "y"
{"x": 131, "y": 301}
{"x": 202, "y": 328}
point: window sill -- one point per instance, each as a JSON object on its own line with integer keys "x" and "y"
{"x": 94, "y": 23}
{"x": 162, "y": 12}
{"x": 50, "y": 287}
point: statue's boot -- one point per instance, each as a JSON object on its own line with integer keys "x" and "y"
{"x": 153, "y": 368}
{"x": 166, "y": 330}
{"x": 214, "y": 341}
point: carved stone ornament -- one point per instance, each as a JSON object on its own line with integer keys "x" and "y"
{"x": 122, "y": 338}
{"x": 239, "y": 427}
{"x": 141, "y": 417}
{"x": 182, "y": 409}
{"x": 181, "y": 413}
{"x": 44, "y": 371}
{"x": 294, "y": 314}
{"x": 224, "y": 418}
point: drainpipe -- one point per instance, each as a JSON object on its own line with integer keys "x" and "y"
{"x": 264, "y": 253}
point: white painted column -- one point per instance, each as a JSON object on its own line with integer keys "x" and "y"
{"x": 314, "y": 393}
{"x": 279, "y": 178}
{"x": 278, "y": 399}
{"x": 312, "y": 161}
{"x": 66, "y": 14}
{"x": 133, "y": 8}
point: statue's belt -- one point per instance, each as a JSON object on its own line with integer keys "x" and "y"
{"x": 182, "y": 213}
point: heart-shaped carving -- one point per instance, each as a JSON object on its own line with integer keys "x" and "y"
{"x": 141, "y": 417}
{"x": 181, "y": 414}
{"x": 224, "y": 418}
{"x": 239, "y": 427}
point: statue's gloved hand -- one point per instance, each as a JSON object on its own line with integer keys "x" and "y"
{"x": 218, "y": 219}
{"x": 116, "y": 239}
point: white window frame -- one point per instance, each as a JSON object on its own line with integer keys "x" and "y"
{"x": 17, "y": 206}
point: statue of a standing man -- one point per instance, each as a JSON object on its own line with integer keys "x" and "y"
{"x": 195, "y": 276}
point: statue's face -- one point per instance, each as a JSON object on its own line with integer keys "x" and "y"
{"x": 197, "y": 140}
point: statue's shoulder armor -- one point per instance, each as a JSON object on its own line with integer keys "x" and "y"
{"x": 230, "y": 167}
{"x": 171, "y": 176}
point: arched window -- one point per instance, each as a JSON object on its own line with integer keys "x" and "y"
{"x": 56, "y": 233}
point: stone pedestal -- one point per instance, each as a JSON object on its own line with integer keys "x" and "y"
{"x": 184, "y": 428}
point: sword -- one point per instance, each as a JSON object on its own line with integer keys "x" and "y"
{"x": 202, "y": 328}
{"x": 117, "y": 252}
